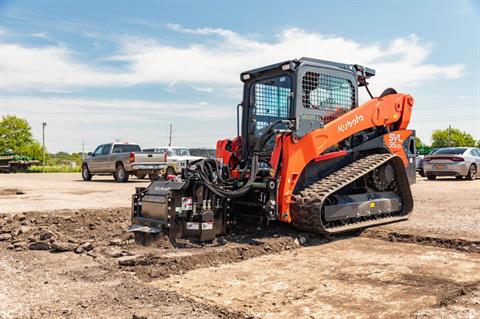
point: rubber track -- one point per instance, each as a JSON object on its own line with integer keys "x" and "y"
{"x": 307, "y": 207}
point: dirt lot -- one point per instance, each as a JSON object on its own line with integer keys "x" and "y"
{"x": 69, "y": 256}
{"x": 63, "y": 190}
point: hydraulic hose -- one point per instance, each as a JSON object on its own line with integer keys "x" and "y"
{"x": 210, "y": 175}
{"x": 205, "y": 179}
{"x": 368, "y": 90}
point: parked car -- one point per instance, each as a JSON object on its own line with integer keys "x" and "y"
{"x": 419, "y": 162}
{"x": 453, "y": 161}
{"x": 178, "y": 158}
{"x": 122, "y": 160}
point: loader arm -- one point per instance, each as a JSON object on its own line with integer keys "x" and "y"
{"x": 295, "y": 155}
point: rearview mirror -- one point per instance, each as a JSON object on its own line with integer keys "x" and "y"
{"x": 90, "y": 154}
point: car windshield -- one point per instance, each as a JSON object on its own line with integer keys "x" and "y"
{"x": 163, "y": 151}
{"x": 173, "y": 151}
{"x": 181, "y": 152}
{"x": 453, "y": 151}
{"x": 126, "y": 148}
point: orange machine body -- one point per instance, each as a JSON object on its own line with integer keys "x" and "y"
{"x": 291, "y": 156}
{"x": 395, "y": 108}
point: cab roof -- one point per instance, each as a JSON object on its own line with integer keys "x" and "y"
{"x": 356, "y": 69}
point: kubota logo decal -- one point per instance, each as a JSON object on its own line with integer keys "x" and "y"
{"x": 350, "y": 123}
{"x": 161, "y": 188}
{"x": 394, "y": 141}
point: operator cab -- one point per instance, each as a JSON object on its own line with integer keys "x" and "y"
{"x": 310, "y": 91}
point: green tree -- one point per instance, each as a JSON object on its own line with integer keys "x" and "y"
{"x": 452, "y": 137}
{"x": 63, "y": 158}
{"x": 33, "y": 150}
{"x": 16, "y": 135}
{"x": 418, "y": 142}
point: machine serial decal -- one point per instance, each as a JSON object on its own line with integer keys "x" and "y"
{"x": 394, "y": 141}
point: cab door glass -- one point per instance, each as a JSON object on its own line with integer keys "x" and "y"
{"x": 270, "y": 100}
{"x": 98, "y": 150}
{"x": 106, "y": 149}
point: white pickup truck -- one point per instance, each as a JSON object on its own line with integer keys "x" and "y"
{"x": 122, "y": 160}
{"x": 178, "y": 158}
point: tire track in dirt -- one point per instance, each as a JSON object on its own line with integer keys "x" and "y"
{"x": 468, "y": 246}
{"x": 462, "y": 302}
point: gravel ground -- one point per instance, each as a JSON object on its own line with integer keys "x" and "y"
{"x": 444, "y": 208}
{"x": 353, "y": 278}
{"x": 80, "y": 262}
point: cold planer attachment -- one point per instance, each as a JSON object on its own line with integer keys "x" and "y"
{"x": 168, "y": 208}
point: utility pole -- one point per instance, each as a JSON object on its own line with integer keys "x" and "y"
{"x": 83, "y": 148}
{"x": 170, "y": 136}
{"x": 43, "y": 143}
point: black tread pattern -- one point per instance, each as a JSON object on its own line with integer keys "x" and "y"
{"x": 306, "y": 209}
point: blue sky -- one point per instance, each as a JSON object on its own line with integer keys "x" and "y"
{"x": 104, "y": 70}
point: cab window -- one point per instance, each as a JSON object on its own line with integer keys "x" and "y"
{"x": 98, "y": 150}
{"x": 182, "y": 152}
{"x": 163, "y": 151}
{"x": 127, "y": 148}
{"x": 270, "y": 100}
{"x": 327, "y": 92}
{"x": 106, "y": 149}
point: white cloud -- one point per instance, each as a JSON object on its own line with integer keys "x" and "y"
{"x": 94, "y": 107}
{"x": 40, "y": 35}
{"x": 50, "y": 68}
{"x": 203, "y": 89}
{"x": 202, "y": 31}
{"x": 71, "y": 120}
{"x": 215, "y": 57}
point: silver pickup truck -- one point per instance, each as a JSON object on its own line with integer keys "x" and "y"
{"x": 122, "y": 160}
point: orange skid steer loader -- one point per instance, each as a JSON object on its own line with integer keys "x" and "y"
{"x": 306, "y": 154}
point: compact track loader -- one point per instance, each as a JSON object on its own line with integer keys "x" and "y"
{"x": 306, "y": 154}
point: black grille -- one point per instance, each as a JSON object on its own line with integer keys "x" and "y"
{"x": 327, "y": 93}
{"x": 271, "y": 101}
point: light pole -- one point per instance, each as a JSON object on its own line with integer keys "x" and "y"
{"x": 170, "y": 136}
{"x": 43, "y": 143}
